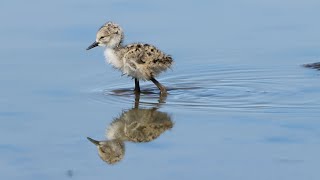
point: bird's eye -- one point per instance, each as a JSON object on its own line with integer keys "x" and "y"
{"x": 102, "y": 37}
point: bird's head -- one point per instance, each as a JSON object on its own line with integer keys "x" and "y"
{"x": 111, "y": 151}
{"x": 109, "y": 35}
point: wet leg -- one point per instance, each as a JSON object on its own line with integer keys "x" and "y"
{"x": 136, "y": 100}
{"x": 137, "y": 86}
{"x": 159, "y": 85}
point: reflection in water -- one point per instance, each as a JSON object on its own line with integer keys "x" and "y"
{"x": 313, "y": 65}
{"x": 135, "y": 125}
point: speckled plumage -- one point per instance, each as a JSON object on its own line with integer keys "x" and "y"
{"x": 135, "y": 125}
{"x": 138, "y": 60}
{"x": 143, "y": 61}
{"x": 139, "y": 125}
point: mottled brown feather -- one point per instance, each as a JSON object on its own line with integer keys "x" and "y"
{"x": 146, "y": 59}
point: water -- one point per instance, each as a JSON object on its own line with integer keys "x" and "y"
{"x": 241, "y": 104}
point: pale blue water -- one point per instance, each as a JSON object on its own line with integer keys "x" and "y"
{"x": 242, "y": 105}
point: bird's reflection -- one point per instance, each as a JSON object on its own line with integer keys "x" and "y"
{"x": 135, "y": 125}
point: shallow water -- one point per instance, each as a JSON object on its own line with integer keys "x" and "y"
{"x": 241, "y": 103}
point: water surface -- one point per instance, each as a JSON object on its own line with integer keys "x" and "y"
{"x": 242, "y": 104}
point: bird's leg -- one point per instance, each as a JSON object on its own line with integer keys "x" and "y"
{"x": 162, "y": 99}
{"x": 159, "y": 85}
{"x": 137, "y": 86}
{"x": 137, "y": 100}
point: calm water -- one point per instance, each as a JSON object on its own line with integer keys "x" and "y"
{"x": 241, "y": 105}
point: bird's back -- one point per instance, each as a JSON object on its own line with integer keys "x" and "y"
{"x": 144, "y": 61}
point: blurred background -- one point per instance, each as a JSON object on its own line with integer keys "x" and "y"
{"x": 243, "y": 106}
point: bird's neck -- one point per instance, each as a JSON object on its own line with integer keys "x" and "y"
{"x": 115, "y": 42}
{"x": 114, "y": 45}
{"x": 115, "y": 48}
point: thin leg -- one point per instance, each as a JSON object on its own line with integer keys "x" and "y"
{"x": 162, "y": 99}
{"x": 159, "y": 85}
{"x": 137, "y": 86}
{"x": 137, "y": 100}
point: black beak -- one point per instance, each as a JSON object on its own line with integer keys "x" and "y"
{"x": 93, "y": 141}
{"x": 95, "y": 44}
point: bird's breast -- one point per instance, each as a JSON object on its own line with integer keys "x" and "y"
{"x": 112, "y": 58}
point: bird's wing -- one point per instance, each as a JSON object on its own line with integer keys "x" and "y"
{"x": 135, "y": 52}
{"x": 147, "y": 59}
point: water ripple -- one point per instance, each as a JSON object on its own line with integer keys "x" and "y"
{"x": 222, "y": 88}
